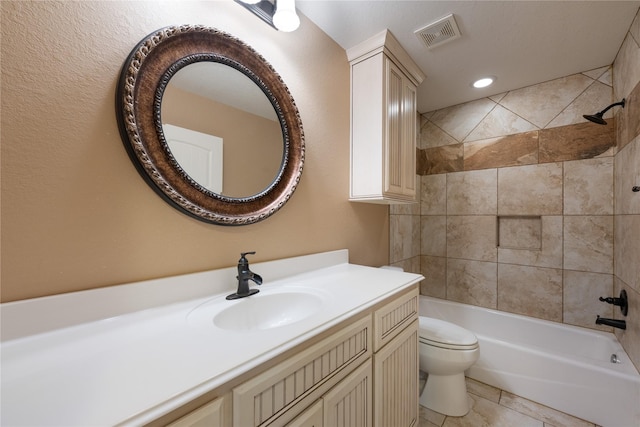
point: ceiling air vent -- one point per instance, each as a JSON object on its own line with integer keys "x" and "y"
{"x": 439, "y": 32}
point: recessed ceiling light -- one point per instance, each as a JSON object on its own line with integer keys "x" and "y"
{"x": 484, "y": 82}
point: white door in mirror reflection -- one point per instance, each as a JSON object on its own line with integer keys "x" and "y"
{"x": 199, "y": 154}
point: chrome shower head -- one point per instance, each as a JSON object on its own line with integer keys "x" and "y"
{"x": 597, "y": 117}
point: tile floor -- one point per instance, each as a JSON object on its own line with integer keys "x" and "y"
{"x": 493, "y": 407}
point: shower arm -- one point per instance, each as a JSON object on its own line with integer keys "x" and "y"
{"x": 621, "y": 103}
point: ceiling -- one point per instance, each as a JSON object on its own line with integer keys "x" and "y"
{"x": 519, "y": 42}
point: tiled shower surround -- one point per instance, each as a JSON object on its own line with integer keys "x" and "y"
{"x": 526, "y": 207}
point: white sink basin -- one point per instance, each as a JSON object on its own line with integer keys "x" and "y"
{"x": 265, "y": 310}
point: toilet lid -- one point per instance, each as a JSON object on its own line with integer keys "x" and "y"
{"x": 441, "y": 332}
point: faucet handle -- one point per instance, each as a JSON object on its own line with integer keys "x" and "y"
{"x": 243, "y": 258}
{"x": 621, "y": 302}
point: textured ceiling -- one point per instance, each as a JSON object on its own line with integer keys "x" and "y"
{"x": 519, "y": 42}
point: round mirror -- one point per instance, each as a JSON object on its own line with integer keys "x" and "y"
{"x": 210, "y": 125}
{"x": 229, "y": 139}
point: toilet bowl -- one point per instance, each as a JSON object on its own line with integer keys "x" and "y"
{"x": 446, "y": 351}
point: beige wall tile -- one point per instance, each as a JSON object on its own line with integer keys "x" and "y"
{"x": 531, "y": 291}
{"x": 630, "y": 338}
{"x": 434, "y": 270}
{"x": 433, "y": 194}
{"x": 530, "y": 190}
{"x": 607, "y": 77}
{"x": 627, "y": 175}
{"x": 580, "y": 298}
{"x": 472, "y": 237}
{"x": 588, "y": 187}
{"x": 432, "y": 136}
{"x": 597, "y": 72}
{"x": 434, "y": 235}
{"x": 588, "y": 243}
{"x": 411, "y": 265}
{"x": 472, "y": 193}
{"x": 472, "y": 282}
{"x": 628, "y": 119}
{"x": 635, "y": 28}
{"x": 540, "y": 103}
{"x": 550, "y": 253}
{"x": 406, "y": 208}
{"x": 576, "y": 142}
{"x": 459, "y": 120}
{"x": 500, "y": 122}
{"x": 594, "y": 99}
{"x": 448, "y": 158}
{"x": 626, "y": 70}
{"x": 627, "y": 249}
{"x": 417, "y": 235}
{"x": 497, "y": 98}
{"x": 401, "y": 237}
{"x": 520, "y": 232}
{"x": 510, "y": 150}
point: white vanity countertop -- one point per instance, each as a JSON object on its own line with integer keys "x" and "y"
{"x": 127, "y": 361}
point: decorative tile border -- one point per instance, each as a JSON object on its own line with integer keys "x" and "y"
{"x": 572, "y": 142}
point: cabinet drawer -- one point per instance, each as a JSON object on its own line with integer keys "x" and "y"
{"x": 268, "y": 398}
{"x": 389, "y": 320}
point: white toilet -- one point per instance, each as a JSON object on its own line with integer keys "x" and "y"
{"x": 446, "y": 351}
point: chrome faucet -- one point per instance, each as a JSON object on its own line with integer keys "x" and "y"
{"x": 244, "y": 275}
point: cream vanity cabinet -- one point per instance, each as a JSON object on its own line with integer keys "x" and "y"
{"x": 210, "y": 415}
{"x": 363, "y": 374}
{"x": 384, "y": 79}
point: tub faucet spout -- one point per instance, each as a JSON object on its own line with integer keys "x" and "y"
{"x": 620, "y": 324}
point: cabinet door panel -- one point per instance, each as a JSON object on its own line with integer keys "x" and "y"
{"x": 394, "y": 139}
{"x": 311, "y": 417}
{"x": 349, "y": 404}
{"x": 396, "y": 380}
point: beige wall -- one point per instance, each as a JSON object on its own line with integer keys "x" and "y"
{"x": 75, "y": 213}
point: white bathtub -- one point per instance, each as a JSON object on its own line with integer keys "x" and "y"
{"x": 565, "y": 367}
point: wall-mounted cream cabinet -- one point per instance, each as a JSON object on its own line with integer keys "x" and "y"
{"x": 384, "y": 79}
{"x": 363, "y": 374}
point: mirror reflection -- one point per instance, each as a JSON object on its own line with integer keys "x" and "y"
{"x": 222, "y": 129}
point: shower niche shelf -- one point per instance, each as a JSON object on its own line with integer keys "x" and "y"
{"x": 519, "y": 232}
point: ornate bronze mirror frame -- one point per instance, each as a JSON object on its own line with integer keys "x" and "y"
{"x": 143, "y": 79}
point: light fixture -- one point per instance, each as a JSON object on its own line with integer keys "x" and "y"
{"x": 286, "y": 19}
{"x": 484, "y": 82}
{"x": 280, "y": 14}
{"x": 597, "y": 117}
